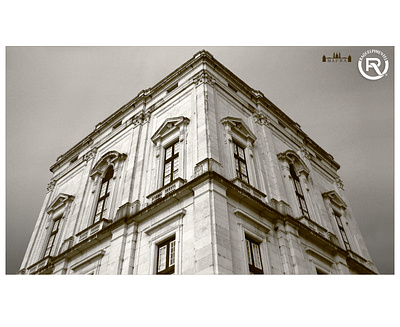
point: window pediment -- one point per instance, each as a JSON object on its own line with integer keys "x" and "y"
{"x": 168, "y": 126}
{"x": 239, "y": 127}
{"x": 61, "y": 200}
{"x": 293, "y": 158}
{"x": 109, "y": 158}
{"x": 334, "y": 198}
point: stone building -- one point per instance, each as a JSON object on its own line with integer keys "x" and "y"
{"x": 199, "y": 174}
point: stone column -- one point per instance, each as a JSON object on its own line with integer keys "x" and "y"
{"x": 117, "y": 250}
{"x": 213, "y": 253}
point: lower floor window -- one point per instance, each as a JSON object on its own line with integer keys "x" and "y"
{"x": 166, "y": 257}
{"x": 254, "y": 256}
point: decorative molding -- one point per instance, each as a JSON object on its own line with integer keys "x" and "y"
{"x": 320, "y": 256}
{"x": 109, "y": 158}
{"x": 339, "y": 183}
{"x": 90, "y": 155}
{"x": 293, "y": 158}
{"x": 179, "y": 213}
{"x": 239, "y": 212}
{"x": 261, "y": 119}
{"x": 51, "y": 185}
{"x": 61, "y": 200}
{"x": 237, "y": 126}
{"x": 204, "y": 78}
{"x": 305, "y": 153}
{"x": 168, "y": 126}
{"x": 335, "y": 198}
{"x": 98, "y": 255}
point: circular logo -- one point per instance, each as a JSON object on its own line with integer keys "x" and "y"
{"x": 373, "y": 64}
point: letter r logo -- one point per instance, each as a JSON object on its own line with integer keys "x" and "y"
{"x": 373, "y": 63}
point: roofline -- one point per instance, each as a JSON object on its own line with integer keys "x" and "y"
{"x": 148, "y": 93}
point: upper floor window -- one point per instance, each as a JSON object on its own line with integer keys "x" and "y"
{"x": 170, "y": 151}
{"x": 171, "y": 163}
{"x": 240, "y": 162}
{"x": 299, "y": 192}
{"x": 342, "y": 231}
{"x": 166, "y": 257}
{"x": 254, "y": 256}
{"x": 104, "y": 195}
{"x": 53, "y": 234}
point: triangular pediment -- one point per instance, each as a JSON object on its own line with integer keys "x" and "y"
{"x": 335, "y": 198}
{"x": 240, "y": 127}
{"x": 59, "y": 201}
{"x": 169, "y": 125}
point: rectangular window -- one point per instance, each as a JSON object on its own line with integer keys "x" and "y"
{"x": 54, "y": 231}
{"x": 254, "y": 256}
{"x": 342, "y": 231}
{"x": 171, "y": 163}
{"x": 166, "y": 257}
{"x": 240, "y": 162}
{"x": 299, "y": 193}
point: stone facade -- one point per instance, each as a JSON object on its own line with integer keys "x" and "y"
{"x": 200, "y": 174}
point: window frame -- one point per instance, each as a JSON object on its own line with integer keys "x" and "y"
{"x": 169, "y": 268}
{"x": 298, "y": 190}
{"x": 250, "y": 244}
{"x": 238, "y": 160}
{"x": 342, "y": 231}
{"x": 52, "y": 237}
{"x": 172, "y": 159}
{"x": 107, "y": 195}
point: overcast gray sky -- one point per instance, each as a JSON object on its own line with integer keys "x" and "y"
{"x": 56, "y": 95}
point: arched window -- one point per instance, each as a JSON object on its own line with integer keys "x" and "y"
{"x": 299, "y": 192}
{"x": 104, "y": 195}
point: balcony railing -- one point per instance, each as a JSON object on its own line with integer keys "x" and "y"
{"x": 165, "y": 190}
{"x": 249, "y": 189}
{"x": 91, "y": 230}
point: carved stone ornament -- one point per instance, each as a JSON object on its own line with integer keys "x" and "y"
{"x": 111, "y": 157}
{"x": 340, "y": 183}
{"x": 90, "y": 155}
{"x": 204, "y": 78}
{"x": 261, "y": 119}
{"x": 293, "y": 158}
{"x": 238, "y": 127}
{"x": 168, "y": 126}
{"x": 51, "y": 185}
{"x": 304, "y": 152}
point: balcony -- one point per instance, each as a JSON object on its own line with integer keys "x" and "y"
{"x": 40, "y": 265}
{"x": 92, "y": 230}
{"x": 249, "y": 189}
{"x": 315, "y": 227}
{"x": 166, "y": 190}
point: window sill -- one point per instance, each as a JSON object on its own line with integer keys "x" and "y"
{"x": 37, "y": 267}
{"x": 248, "y": 188}
{"x": 93, "y": 229}
{"x": 314, "y": 226}
{"x": 165, "y": 190}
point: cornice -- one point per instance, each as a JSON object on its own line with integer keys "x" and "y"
{"x": 201, "y": 57}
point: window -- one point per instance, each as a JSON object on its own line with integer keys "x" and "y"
{"x": 166, "y": 257}
{"x": 104, "y": 195}
{"x": 254, "y": 256}
{"x": 240, "y": 162}
{"x": 341, "y": 229}
{"x": 53, "y": 234}
{"x": 299, "y": 193}
{"x": 171, "y": 163}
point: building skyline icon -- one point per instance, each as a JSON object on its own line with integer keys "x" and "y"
{"x": 199, "y": 174}
{"x": 336, "y": 57}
